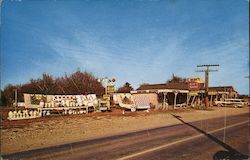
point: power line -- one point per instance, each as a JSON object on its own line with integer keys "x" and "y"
{"x": 207, "y": 65}
{"x": 207, "y": 70}
{"x": 210, "y": 70}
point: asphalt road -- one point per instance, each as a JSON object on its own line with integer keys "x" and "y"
{"x": 206, "y": 139}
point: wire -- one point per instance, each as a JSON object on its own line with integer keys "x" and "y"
{"x": 225, "y": 124}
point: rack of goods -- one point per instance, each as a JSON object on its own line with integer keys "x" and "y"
{"x": 44, "y": 105}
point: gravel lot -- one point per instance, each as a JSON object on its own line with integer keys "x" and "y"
{"x": 24, "y": 135}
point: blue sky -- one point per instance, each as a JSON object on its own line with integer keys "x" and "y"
{"x": 139, "y": 41}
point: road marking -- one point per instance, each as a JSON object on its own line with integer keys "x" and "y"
{"x": 179, "y": 141}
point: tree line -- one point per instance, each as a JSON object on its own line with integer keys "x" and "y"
{"x": 76, "y": 83}
{"x": 73, "y": 84}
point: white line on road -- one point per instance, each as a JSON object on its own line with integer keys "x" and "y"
{"x": 179, "y": 141}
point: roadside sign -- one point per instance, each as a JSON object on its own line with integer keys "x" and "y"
{"x": 212, "y": 93}
{"x": 106, "y": 97}
{"x": 193, "y": 93}
{"x": 193, "y": 86}
{"x": 110, "y": 89}
{"x": 197, "y": 80}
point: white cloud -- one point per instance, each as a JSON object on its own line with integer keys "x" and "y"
{"x": 150, "y": 63}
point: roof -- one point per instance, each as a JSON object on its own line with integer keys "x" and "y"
{"x": 179, "y": 86}
{"x": 182, "y": 86}
{"x": 222, "y": 88}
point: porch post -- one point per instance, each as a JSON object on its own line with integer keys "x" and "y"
{"x": 193, "y": 100}
{"x": 216, "y": 98}
{"x": 164, "y": 100}
{"x": 175, "y": 97}
{"x": 211, "y": 101}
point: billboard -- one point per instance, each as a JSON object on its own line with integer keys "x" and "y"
{"x": 212, "y": 93}
{"x": 195, "y": 84}
{"x": 110, "y": 89}
{"x": 193, "y": 93}
{"x": 197, "y": 80}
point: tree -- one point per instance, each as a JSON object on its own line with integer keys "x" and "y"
{"x": 176, "y": 79}
{"x": 8, "y": 95}
{"x": 45, "y": 85}
{"x": 76, "y": 83}
{"x": 3, "y": 100}
{"x": 82, "y": 83}
{"x": 126, "y": 88}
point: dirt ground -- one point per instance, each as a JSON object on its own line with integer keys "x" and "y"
{"x": 42, "y": 132}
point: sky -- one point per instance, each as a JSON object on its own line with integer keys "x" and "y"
{"x": 135, "y": 41}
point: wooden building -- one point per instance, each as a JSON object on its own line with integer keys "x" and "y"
{"x": 169, "y": 94}
{"x": 178, "y": 94}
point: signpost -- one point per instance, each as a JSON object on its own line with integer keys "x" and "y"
{"x": 193, "y": 93}
{"x": 109, "y": 88}
{"x": 195, "y": 84}
{"x": 207, "y": 71}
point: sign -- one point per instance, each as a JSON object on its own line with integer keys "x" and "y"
{"x": 193, "y": 86}
{"x": 110, "y": 89}
{"x": 212, "y": 93}
{"x": 193, "y": 93}
{"x": 197, "y": 80}
{"x": 37, "y": 98}
{"x": 106, "y": 97}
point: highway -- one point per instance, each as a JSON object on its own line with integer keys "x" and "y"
{"x": 206, "y": 139}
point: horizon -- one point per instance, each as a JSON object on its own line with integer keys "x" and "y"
{"x": 132, "y": 41}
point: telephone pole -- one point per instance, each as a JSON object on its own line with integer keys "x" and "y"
{"x": 207, "y": 70}
{"x": 15, "y": 98}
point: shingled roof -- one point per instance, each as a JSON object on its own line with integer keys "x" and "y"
{"x": 178, "y": 86}
{"x": 182, "y": 86}
{"x": 222, "y": 88}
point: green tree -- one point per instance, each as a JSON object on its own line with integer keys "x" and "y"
{"x": 76, "y": 83}
{"x": 176, "y": 79}
{"x": 126, "y": 88}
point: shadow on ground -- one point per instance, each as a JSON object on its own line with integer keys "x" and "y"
{"x": 230, "y": 154}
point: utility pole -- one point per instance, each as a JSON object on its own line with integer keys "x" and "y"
{"x": 15, "y": 99}
{"x": 248, "y": 84}
{"x": 207, "y": 70}
{"x": 109, "y": 88}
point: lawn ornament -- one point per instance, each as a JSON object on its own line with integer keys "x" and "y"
{"x": 10, "y": 115}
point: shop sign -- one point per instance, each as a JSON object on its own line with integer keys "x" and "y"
{"x": 197, "y": 80}
{"x": 193, "y": 93}
{"x": 110, "y": 89}
{"x": 106, "y": 97}
{"x": 193, "y": 86}
{"x": 212, "y": 93}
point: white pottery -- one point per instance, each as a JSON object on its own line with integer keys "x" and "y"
{"x": 10, "y": 114}
{"x": 41, "y": 104}
{"x": 52, "y": 104}
{"x": 31, "y": 113}
{"x": 70, "y": 112}
{"x": 67, "y": 102}
{"x": 14, "y": 114}
{"x": 48, "y": 113}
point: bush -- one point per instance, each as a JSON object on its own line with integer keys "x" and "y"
{"x": 76, "y": 83}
